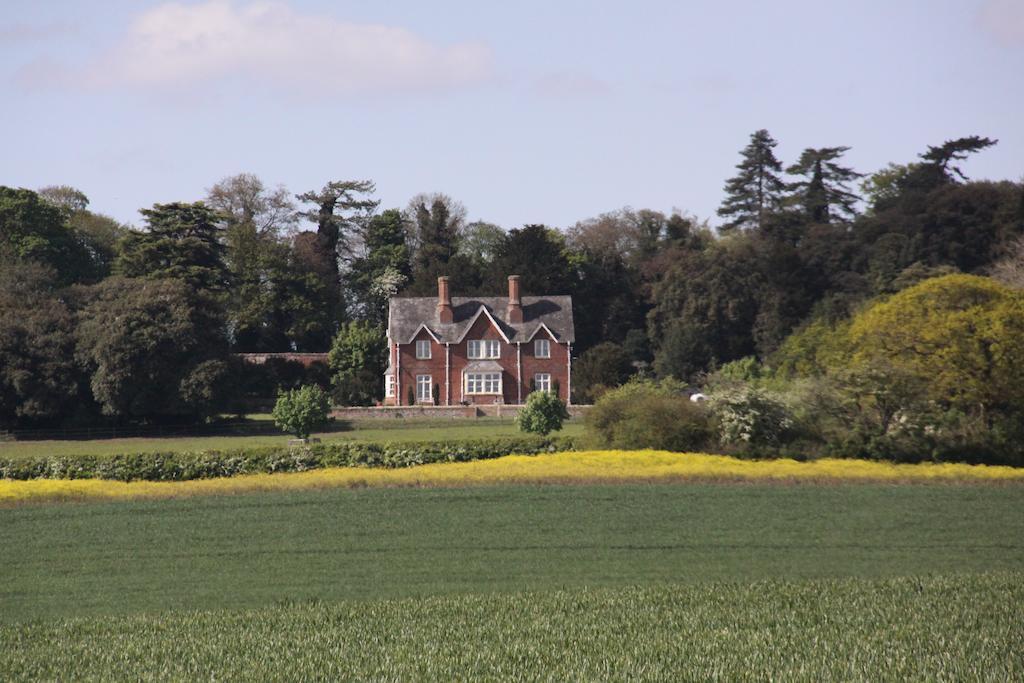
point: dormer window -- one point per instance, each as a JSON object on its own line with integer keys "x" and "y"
{"x": 484, "y": 348}
{"x": 542, "y": 348}
{"x": 423, "y": 349}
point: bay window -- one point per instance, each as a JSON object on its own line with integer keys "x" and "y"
{"x": 483, "y": 382}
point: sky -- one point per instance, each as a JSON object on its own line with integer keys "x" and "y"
{"x": 535, "y": 111}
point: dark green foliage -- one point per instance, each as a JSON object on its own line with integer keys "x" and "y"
{"x": 757, "y": 190}
{"x": 339, "y": 209}
{"x": 939, "y": 160}
{"x": 543, "y": 413}
{"x": 410, "y": 396}
{"x": 438, "y": 220}
{"x": 358, "y": 358}
{"x": 824, "y": 194}
{"x": 707, "y": 306}
{"x": 383, "y": 269}
{"x": 32, "y": 229}
{"x": 256, "y": 220}
{"x": 301, "y": 411}
{"x": 268, "y": 379}
{"x": 183, "y": 242}
{"x": 539, "y": 255}
{"x": 38, "y": 376}
{"x": 601, "y": 367}
{"x": 645, "y": 414}
{"x": 608, "y": 298}
{"x": 141, "y": 340}
{"x": 97, "y": 234}
{"x": 185, "y": 466}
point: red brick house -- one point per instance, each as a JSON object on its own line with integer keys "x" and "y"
{"x": 473, "y": 350}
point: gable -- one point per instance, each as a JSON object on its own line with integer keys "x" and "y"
{"x": 482, "y": 323}
{"x": 406, "y": 315}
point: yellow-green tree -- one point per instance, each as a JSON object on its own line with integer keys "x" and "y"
{"x": 961, "y": 335}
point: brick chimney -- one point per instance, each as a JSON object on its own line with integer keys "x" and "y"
{"x": 444, "y": 301}
{"x": 514, "y": 312}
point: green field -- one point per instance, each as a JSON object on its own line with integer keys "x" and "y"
{"x": 937, "y": 628}
{"x": 253, "y": 550}
{"x": 585, "y": 582}
{"x": 370, "y": 430}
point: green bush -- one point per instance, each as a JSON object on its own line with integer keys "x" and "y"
{"x": 183, "y": 466}
{"x": 543, "y": 413}
{"x": 302, "y": 410}
{"x": 646, "y": 414}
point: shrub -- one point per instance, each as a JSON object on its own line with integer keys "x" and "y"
{"x": 358, "y": 357}
{"x": 299, "y": 411}
{"x": 543, "y": 413}
{"x": 646, "y": 414}
{"x": 751, "y": 417}
{"x": 184, "y": 466}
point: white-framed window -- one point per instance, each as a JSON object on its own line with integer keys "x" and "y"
{"x": 389, "y": 385}
{"x": 543, "y": 381}
{"x": 542, "y": 348}
{"x": 423, "y": 386}
{"x": 483, "y": 382}
{"x": 423, "y": 348}
{"x": 484, "y": 348}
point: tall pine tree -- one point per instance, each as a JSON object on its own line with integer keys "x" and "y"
{"x": 824, "y": 194}
{"x": 757, "y": 190}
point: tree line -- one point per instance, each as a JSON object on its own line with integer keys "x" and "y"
{"x": 100, "y": 320}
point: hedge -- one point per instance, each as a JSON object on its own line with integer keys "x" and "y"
{"x": 185, "y": 465}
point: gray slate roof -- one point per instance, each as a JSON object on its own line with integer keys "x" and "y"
{"x": 406, "y": 314}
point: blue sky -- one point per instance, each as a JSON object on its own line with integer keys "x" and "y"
{"x": 531, "y": 111}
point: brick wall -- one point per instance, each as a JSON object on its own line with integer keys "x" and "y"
{"x": 409, "y": 367}
{"x": 437, "y": 412}
{"x": 306, "y": 359}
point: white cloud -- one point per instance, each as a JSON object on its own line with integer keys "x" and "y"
{"x": 175, "y": 44}
{"x": 1004, "y": 19}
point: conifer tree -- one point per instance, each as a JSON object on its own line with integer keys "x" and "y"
{"x": 338, "y": 210}
{"x": 824, "y": 194}
{"x": 183, "y": 242}
{"x": 757, "y": 190}
{"x": 939, "y": 167}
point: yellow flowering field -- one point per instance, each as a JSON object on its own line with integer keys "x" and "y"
{"x": 592, "y": 467}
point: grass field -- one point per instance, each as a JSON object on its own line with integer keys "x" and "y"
{"x": 250, "y": 551}
{"x": 936, "y": 628}
{"x": 375, "y": 430}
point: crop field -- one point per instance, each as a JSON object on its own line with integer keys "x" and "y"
{"x": 936, "y": 628}
{"x": 369, "y": 430}
{"x": 252, "y": 550}
{"x": 656, "y": 581}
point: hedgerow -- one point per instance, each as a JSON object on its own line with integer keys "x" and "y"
{"x": 185, "y": 466}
